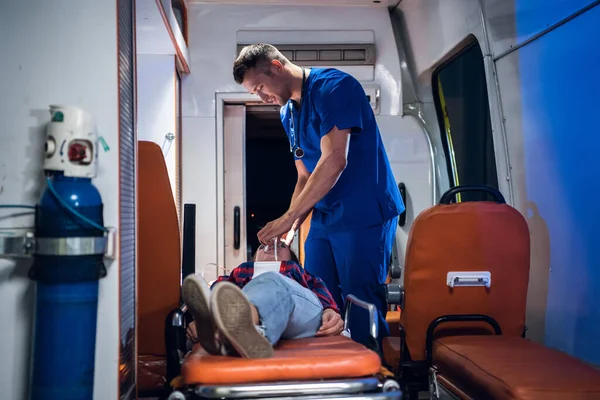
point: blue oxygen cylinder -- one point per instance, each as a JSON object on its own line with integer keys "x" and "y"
{"x": 67, "y": 267}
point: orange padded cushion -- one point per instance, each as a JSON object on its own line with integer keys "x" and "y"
{"x": 159, "y": 260}
{"x": 462, "y": 237}
{"x": 303, "y": 359}
{"x": 393, "y": 317}
{"x": 393, "y": 320}
{"x": 503, "y": 367}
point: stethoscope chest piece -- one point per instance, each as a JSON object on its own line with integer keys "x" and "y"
{"x": 295, "y": 147}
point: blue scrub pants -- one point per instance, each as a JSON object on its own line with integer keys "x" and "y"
{"x": 354, "y": 262}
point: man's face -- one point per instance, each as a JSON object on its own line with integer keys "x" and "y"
{"x": 266, "y": 253}
{"x": 270, "y": 86}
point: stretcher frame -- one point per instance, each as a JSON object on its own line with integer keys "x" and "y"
{"x": 365, "y": 388}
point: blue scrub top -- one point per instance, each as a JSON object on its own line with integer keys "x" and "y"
{"x": 366, "y": 193}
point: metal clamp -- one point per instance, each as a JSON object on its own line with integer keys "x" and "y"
{"x": 70, "y": 246}
{"x": 28, "y": 245}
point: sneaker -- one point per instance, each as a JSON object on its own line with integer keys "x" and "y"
{"x": 196, "y": 294}
{"x": 232, "y": 314}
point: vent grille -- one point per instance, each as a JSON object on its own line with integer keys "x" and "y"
{"x": 329, "y": 54}
{"x": 127, "y": 162}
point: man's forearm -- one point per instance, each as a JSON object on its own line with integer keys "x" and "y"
{"x": 300, "y": 184}
{"x": 320, "y": 182}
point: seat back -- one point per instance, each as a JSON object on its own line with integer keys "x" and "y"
{"x": 159, "y": 250}
{"x": 465, "y": 237}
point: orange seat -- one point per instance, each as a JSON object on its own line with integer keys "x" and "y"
{"x": 509, "y": 367}
{"x": 475, "y": 236}
{"x": 295, "y": 360}
{"x": 465, "y": 263}
{"x": 159, "y": 264}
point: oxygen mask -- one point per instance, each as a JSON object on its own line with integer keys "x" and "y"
{"x": 273, "y": 248}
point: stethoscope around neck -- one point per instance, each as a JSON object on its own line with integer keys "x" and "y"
{"x": 295, "y": 143}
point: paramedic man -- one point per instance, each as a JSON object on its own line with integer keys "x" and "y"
{"x": 344, "y": 175}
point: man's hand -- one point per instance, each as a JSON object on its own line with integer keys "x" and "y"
{"x": 289, "y": 237}
{"x": 331, "y": 324}
{"x": 275, "y": 229}
{"x": 191, "y": 332}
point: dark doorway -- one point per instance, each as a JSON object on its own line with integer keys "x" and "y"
{"x": 270, "y": 171}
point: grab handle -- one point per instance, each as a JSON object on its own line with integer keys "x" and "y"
{"x": 449, "y": 195}
{"x": 402, "y": 218}
{"x": 236, "y": 227}
{"x": 471, "y": 278}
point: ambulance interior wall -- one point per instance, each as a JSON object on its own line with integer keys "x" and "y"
{"x": 553, "y": 108}
{"x": 156, "y": 105}
{"x": 542, "y": 92}
{"x": 59, "y": 52}
{"x": 216, "y": 29}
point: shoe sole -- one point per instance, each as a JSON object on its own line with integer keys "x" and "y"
{"x": 196, "y": 297}
{"x": 232, "y": 313}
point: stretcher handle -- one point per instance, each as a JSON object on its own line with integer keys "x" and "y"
{"x": 175, "y": 340}
{"x": 373, "y": 328}
{"x": 455, "y": 318}
{"x": 449, "y": 195}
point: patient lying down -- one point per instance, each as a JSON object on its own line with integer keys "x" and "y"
{"x": 246, "y": 315}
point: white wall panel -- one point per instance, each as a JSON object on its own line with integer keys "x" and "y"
{"x": 59, "y": 52}
{"x": 156, "y": 106}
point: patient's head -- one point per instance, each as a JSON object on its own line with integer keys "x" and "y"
{"x": 284, "y": 253}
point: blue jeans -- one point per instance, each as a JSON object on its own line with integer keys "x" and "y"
{"x": 287, "y": 310}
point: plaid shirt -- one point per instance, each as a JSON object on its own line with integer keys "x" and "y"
{"x": 243, "y": 274}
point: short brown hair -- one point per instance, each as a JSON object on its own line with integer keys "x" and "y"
{"x": 255, "y": 56}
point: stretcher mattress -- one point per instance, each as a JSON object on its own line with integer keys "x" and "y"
{"x": 333, "y": 357}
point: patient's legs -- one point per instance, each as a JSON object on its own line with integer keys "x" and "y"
{"x": 285, "y": 308}
{"x": 196, "y": 293}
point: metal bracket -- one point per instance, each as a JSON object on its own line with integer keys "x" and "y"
{"x": 71, "y": 246}
{"x": 29, "y": 245}
{"x": 17, "y": 246}
{"x": 434, "y": 390}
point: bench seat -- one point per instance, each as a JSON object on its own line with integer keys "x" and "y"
{"x": 504, "y": 367}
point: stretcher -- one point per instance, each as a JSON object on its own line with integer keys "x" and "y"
{"x": 313, "y": 368}
{"x": 333, "y": 367}
{"x": 463, "y": 318}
